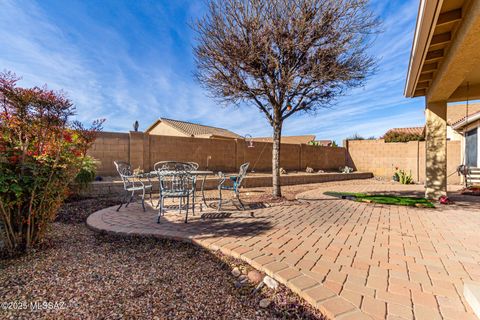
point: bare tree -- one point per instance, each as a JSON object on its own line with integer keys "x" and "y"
{"x": 284, "y": 56}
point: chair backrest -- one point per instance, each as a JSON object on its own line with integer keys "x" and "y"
{"x": 194, "y": 165}
{"x": 175, "y": 166}
{"x": 175, "y": 181}
{"x": 242, "y": 173}
{"x": 124, "y": 169}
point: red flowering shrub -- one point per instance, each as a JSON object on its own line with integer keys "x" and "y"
{"x": 41, "y": 153}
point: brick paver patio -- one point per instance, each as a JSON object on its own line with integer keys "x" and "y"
{"x": 351, "y": 260}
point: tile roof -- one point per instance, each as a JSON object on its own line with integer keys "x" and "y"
{"x": 471, "y": 117}
{"x": 457, "y": 113}
{"x": 288, "y": 139}
{"x": 195, "y": 129}
{"x": 410, "y": 130}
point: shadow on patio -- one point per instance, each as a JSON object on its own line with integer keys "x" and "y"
{"x": 207, "y": 224}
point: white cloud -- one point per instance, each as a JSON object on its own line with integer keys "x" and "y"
{"x": 147, "y": 74}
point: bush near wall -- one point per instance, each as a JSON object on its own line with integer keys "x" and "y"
{"x": 393, "y": 136}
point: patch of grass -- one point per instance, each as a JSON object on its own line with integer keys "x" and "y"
{"x": 384, "y": 199}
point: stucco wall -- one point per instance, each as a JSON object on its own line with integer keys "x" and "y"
{"x": 382, "y": 158}
{"x": 108, "y": 147}
{"x": 164, "y": 129}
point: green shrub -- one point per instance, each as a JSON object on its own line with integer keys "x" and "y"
{"x": 394, "y": 136}
{"x": 403, "y": 177}
{"x": 86, "y": 175}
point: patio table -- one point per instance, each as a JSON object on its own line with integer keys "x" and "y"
{"x": 203, "y": 173}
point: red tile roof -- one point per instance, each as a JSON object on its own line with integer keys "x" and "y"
{"x": 456, "y": 113}
{"x": 470, "y": 116}
{"x": 410, "y": 130}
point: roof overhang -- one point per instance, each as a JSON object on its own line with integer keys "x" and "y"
{"x": 428, "y": 12}
{"x": 153, "y": 125}
{"x": 445, "y": 53}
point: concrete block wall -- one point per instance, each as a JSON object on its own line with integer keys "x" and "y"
{"x": 143, "y": 151}
{"x": 108, "y": 147}
{"x": 325, "y": 158}
{"x": 208, "y": 153}
{"x": 382, "y": 158}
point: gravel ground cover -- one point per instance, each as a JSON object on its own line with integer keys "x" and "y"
{"x": 80, "y": 274}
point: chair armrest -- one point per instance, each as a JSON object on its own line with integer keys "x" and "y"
{"x": 222, "y": 178}
{"x": 137, "y": 179}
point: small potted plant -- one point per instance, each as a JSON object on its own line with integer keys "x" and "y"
{"x": 395, "y": 175}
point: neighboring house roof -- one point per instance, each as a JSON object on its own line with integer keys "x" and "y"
{"x": 410, "y": 130}
{"x": 456, "y": 117}
{"x": 196, "y": 130}
{"x": 466, "y": 120}
{"x": 458, "y": 112}
{"x": 288, "y": 139}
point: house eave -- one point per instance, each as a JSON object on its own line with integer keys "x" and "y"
{"x": 428, "y": 13}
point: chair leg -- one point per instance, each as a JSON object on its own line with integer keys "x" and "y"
{"x": 124, "y": 197}
{"x": 219, "y": 199}
{"x": 160, "y": 202}
{"x": 193, "y": 203}
{"x": 143, "y": 199}
{"x": 240, "y": 201}
{"x": 163, "y": 206}
{"x": 151, "y": 198}
{"x": 159, "y": 196}
{"x": 130, "y": 200}
{"x": 186, "y": 212}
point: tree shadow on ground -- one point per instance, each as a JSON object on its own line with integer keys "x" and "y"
{"x": 207, "y": 224}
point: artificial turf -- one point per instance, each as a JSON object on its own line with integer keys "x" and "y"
{"x": 384, "y": 199}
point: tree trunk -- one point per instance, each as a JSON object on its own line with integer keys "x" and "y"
{"x": 277, "y": 133}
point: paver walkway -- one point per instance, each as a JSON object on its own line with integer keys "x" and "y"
{"x": 352, "y": 260}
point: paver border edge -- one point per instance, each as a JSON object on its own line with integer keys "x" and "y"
{"x": 95, "y": 223}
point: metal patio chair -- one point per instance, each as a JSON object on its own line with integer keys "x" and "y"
{"x": 236, "y": 184}
{"x": 132, "y": 183}
{"x": 176, "y": 184}
{"x": 174, "y": 166}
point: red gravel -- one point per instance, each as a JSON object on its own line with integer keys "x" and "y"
{"x": 86, "y": 275}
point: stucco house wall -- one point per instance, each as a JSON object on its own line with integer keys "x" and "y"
{"x": 166, "y": 130}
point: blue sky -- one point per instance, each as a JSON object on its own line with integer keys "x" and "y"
{"x": 132, "y": 60}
